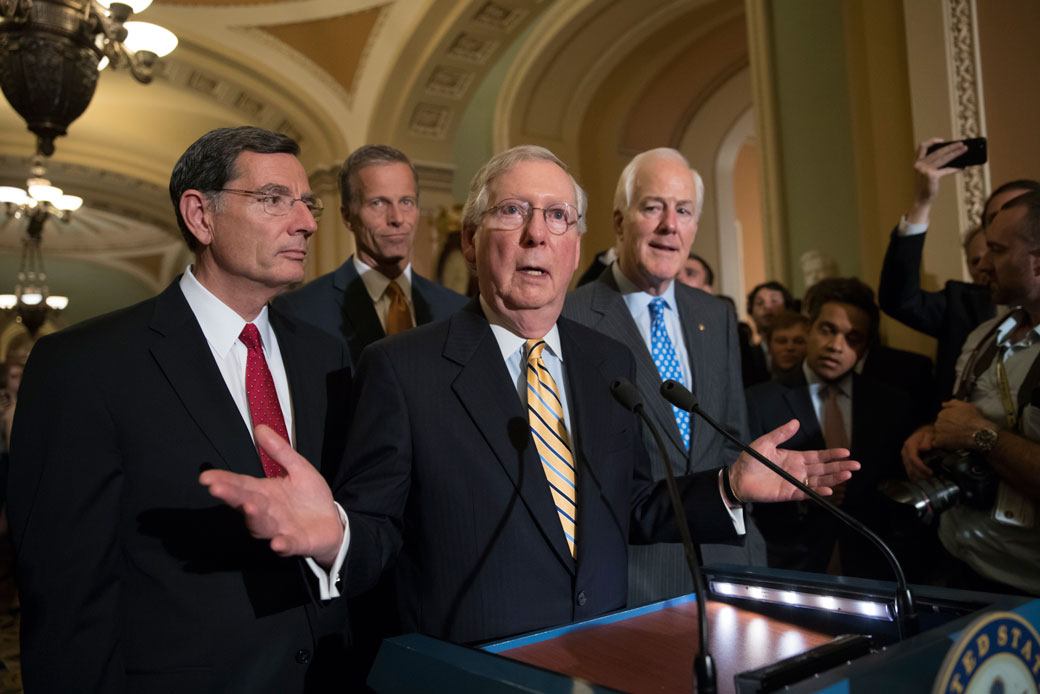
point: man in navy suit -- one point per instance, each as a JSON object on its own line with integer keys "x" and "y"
{"x": 656, "y": 207}
{"x": 132, "y": 579}
{"x": 447, "y": 466}
{"x": 375, "y": 293}
{"x": 836, "y": 407}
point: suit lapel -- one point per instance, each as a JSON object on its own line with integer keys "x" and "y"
{"x": 694, "y": 337}
{"x": 360, "y": 322}
{"x": 423, "y": 312}
{"x": 184, "y": 356}
{"x": 616, "y": 321}
{"x": 797, "y": 398}
{"x": 304, "y": 387}
{"x": 483, "y": 388}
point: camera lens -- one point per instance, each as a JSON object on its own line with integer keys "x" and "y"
{"x": 923, "y": 499}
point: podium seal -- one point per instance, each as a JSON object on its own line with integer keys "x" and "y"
{"x": 998, "y": 653}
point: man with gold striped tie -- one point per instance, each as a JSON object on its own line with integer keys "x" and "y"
{"x": 486, "y": 453}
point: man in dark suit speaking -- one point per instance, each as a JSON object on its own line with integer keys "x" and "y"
{"x": 375, "y": 293}
{"x": 673, "y": 332}
{"x": 132, "y": 579}
{"x": 487, "y": 453}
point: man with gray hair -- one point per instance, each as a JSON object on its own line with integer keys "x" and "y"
{"x": 486, "y": 453}
{"x": 675, "y": 332}
{"x": 375, "y": 293}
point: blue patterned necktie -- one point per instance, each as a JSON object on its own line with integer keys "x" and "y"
{"x": 667, "y": 362}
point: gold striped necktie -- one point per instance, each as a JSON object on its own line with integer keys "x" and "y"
{"x": 398, "y": 316}
{"x": 549, "y": 430}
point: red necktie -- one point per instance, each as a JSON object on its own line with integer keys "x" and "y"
{"x": 263, "y": 399}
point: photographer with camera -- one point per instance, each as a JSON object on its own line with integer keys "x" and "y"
{"x": 993, "y": 428}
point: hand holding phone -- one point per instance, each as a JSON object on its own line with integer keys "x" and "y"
{"x": 974, "y": 156}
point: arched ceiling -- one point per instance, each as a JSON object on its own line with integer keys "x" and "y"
{"x": 336, "y": 74}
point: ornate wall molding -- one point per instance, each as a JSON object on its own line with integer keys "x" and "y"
{"x": 967, "y": 94}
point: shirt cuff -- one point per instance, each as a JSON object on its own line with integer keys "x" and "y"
{"x": 736, "y": 514}
{"x": 328, "y": 582}
{"x": 908, "y": 229}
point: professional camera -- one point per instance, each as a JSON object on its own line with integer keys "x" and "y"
{"x": 959, "y": 477}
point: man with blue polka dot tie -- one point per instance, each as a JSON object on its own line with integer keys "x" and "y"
{"x": 674, "y": 332}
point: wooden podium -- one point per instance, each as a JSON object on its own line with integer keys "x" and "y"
{"x": 757, "y": 618}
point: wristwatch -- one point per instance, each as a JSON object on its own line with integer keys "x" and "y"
{"x": 984, "y": 439}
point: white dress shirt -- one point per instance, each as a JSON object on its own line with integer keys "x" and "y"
{"x": 638, "y": 303}
{"x": 221, "y": 326}
{"x": 376, "y": 283}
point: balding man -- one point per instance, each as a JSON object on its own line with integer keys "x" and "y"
{"x": 674, "y": 332}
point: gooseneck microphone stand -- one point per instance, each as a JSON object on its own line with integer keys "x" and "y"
{"x": 703, "y": 665}
{"x": 905, "y": 612}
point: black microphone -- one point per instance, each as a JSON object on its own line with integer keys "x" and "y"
{"x": 905, "y": 612}
{"x": 703, "y": 665}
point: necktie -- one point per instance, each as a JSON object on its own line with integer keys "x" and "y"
{"x": 398, "y": 317}
{"x": 549, "y": 430}
{"x": 667, "y": 362}
{"x": 833, "y": 423}
{"x": 263, "y": 399}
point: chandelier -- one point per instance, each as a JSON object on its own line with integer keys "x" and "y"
{"x": 32, "y": 303}
{"x": 51, "y": 52}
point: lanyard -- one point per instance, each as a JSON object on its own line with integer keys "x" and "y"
{"x": 1010, "y": 413}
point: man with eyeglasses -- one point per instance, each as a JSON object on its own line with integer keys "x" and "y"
{"x": 486, "y": 453}
{"x": 132, "y": 579}
{"x": 674, "y": 332}
{"x": 375, "y": 293}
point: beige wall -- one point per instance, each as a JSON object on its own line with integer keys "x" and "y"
{"x": 1009, "y": 41}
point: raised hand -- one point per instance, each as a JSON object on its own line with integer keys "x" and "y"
{"x": 820, "y": 470}
{"x": 296, "y": 512}
{"x": 929, "y": 168}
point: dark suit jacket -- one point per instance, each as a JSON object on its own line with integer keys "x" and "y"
{"x": 908, "y": 371}
{"x": 948, "y": 315}
{"x": 800, "y": 535}
{"x": 339, "y": 304}
{"x": 441, "y": 469}
{"x": 660, "y": 571}
{"x": 133, "y": 578}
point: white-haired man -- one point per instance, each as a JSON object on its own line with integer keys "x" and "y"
{"x": 674, "y": 332}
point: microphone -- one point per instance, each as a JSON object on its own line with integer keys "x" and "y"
{"x": 905, "y": 612}
{"x": 703, "y": 666}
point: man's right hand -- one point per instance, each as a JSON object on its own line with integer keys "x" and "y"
{"x": 921, "y": 441}
{"x": 296, "y": 512}
{"x": 929, "y": 168}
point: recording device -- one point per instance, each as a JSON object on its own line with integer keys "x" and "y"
{"x": 905, "y": 612}
{"x": 959, "y": 477}
{"x": 704, "y": 673}
{"x": 975, "y": 155}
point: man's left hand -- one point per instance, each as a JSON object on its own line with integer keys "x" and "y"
{"x": 820, "y": 470}
{"x": 956, "y": 423}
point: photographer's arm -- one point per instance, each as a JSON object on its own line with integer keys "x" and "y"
{"x": 1015, "y": 458}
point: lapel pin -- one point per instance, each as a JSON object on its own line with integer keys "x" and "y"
{"x": 700, "y": 326}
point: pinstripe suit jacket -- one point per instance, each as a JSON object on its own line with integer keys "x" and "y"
{"x": 442, "y": 472}
{"x": 657, "y": 572}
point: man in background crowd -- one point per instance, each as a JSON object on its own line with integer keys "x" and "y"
{"x": 955, "y": 310}
{"x": 835, "y": 407}
{"x": 374, "y": 293}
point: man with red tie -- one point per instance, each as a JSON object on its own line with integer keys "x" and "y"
{"x": 132, "y": 578}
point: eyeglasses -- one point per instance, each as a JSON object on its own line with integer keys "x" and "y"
{"x": 513, "y": 214}
{"x": 280, "y": 204}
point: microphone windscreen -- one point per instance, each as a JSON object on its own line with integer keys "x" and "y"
{"x": 677, "y": 394}
{"x": 626, "y": 394}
